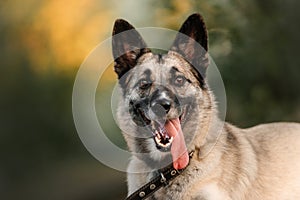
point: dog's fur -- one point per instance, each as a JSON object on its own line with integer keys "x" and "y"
{"x": 262, "y": 162}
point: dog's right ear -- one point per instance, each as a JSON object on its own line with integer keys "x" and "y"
{"x": 127, "y": 46}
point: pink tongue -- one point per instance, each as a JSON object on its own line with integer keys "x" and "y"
{"x": 178, "y": 149}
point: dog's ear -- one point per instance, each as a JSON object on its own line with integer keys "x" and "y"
{"x": 192, "y": 43}
{"x": 127, "y": 46}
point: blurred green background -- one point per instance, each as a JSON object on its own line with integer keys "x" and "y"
{"x": 254, "y": 43}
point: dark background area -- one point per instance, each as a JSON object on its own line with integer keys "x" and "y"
{"x": 255, "y": 45}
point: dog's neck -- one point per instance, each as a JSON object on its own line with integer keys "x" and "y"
{"x": 160, "y": 179}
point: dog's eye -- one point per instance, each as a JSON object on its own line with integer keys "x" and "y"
{"x": 144, "y": 84}
{"x": 179, "y": 80}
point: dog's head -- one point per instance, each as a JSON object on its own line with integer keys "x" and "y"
{"x": 164, "y": 93}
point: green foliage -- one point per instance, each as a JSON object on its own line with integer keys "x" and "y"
{"x": 262, "y": 73}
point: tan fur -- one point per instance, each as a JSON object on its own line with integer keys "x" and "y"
{"x": 229, "y": 163}
{"x": 262, "y": 162}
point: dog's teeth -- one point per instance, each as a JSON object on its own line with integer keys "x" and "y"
{"x": 157, "y": 135}
{"x": 164, "y": 145}
{"x": 159, "y": 141}
{"x": 171, "y": 139}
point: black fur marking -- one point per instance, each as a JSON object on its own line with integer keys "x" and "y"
{"x": 159, "y": 58}
{"x": 170, "y": 97}
{"x": 137, "y": 111}
{"x": 174, "y": 71}
{"x": 145, "y": 77}
{"x": 128, "y": 47}
{"x": 124, "y": 81}
{"x": 147, "y": 72}
{"x": 141, "y": 145}
{"x": 144, "y": 84}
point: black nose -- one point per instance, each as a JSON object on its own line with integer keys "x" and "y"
{"x": 166, "y": 105}
{"x": 161, "y": 107}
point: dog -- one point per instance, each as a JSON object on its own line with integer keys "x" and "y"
{"x": 168, "y": 110}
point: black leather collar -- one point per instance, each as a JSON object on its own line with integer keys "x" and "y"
{"x": 165, "y": 175}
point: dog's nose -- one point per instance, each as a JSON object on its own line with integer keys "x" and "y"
{"x": 161, "y": 107}
{"x": 166, "y": 105}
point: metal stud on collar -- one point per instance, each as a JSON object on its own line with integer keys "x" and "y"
{"x": 142, "y": 194}
{"x": 163, "y": 179}
{"x": 191, "y": 154}
{"x": 173, "y": 172}
{"x": 152, "y": 186}
{"x": 165, "y": 175}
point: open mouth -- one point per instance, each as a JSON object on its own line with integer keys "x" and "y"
{"x": 162, "y": 139}
{"x": 168, "y": 135}
{"x": 162, "y": 136}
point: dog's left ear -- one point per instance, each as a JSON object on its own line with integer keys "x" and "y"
{"x": 192, "y": 43}
{"x": 127, "y": 46}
